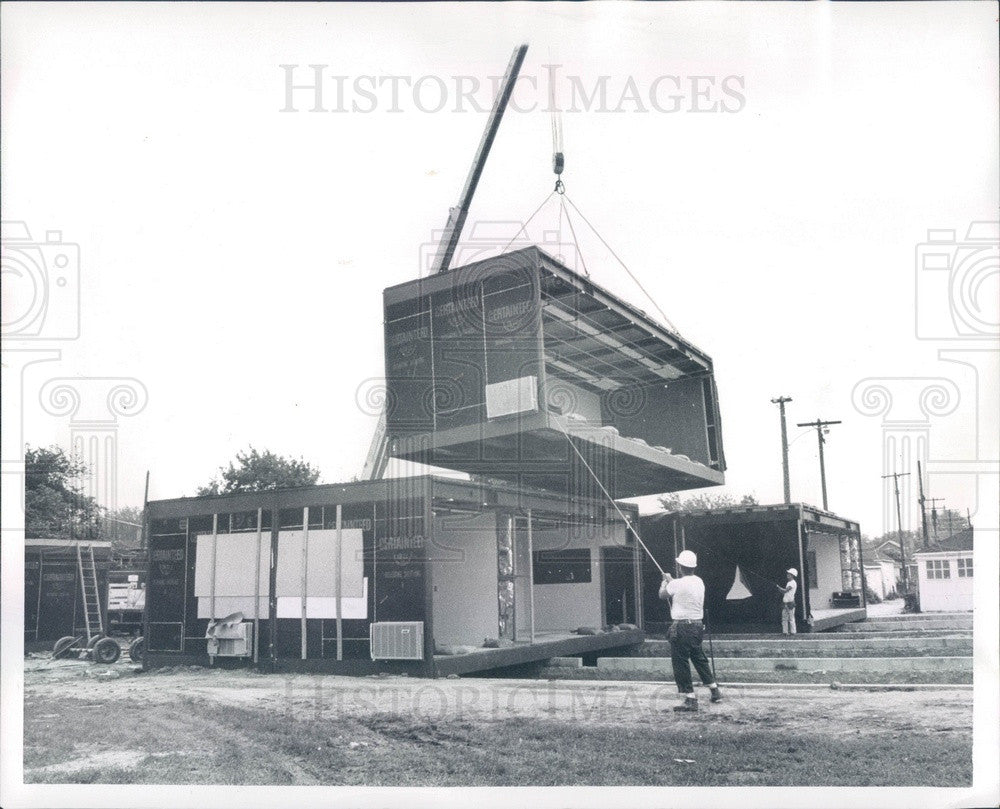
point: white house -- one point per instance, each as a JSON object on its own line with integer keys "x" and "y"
{"x": 882, "y": 575}
{"x": 945, "y": 574}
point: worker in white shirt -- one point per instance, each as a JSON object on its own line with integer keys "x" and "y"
{"x": 788, "y": 602}
{"x": 686, "y": 596}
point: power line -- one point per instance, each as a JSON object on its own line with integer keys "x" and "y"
{"x": 780, "y": 402}
{"x": 899, "y": 525}
{"x": 820, "y": 426}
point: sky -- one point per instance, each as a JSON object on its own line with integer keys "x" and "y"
{"x": 770, "y": 176}
{"x": 209, "y": 267}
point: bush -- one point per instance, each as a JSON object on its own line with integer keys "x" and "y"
{"x": 872, "y": 596}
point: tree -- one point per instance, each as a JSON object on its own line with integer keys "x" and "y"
{"x": 256, "y": 471}
{"x": 55, "y": 506}
{"x": 704, "y": 501}
{"x": 123, "y": 528}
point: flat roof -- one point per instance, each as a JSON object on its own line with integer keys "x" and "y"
{"x": 489, "y": 494}
{"x": 759, "y": 513}
{"x": 40, "y": 542}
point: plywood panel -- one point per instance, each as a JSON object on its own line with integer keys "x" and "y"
{"x": 320, "y": 564}
{"x": 317, "y": 607}
{"x": 234, "y": 564}
{"x": 226, "y": 605}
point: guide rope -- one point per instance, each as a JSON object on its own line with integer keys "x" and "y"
{"x": 597, "y": 480}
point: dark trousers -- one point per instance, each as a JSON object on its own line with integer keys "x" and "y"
{"x": 685, "y": 648}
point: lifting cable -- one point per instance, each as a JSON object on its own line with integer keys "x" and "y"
{"x": 645, "y": 292}
{"x": 527, "y": 222}
{"x": 558, "y": 164}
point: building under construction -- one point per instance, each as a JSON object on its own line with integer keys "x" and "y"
{"x": 62, "y": 578}
{"x": 557, "y": 397}
{"x": 743, "y": 553}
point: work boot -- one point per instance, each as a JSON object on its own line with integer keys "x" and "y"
{"x": 686, "y": 706}
{"x": 716, "y": 695}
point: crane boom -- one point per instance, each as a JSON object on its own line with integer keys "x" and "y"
{"x": 458, "y": 214}
{"x": 378, "y": 452}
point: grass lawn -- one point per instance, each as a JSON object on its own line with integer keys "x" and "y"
{"x": 193, "y": 741}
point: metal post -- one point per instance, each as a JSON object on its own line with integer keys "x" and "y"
{"x": 803, "y": 574}
{"x": 144, "y": 539}
{"x": 305, "y": 576}
{"x": 215, "y": 542}
{"x": 272, "y": 586}
{"x": 780, "y": 402}
{"x": 256, "y": 587}
{"x": 531, "y": 582}
{"x": 38, "y": 607}
{"x": 338, "y": 590}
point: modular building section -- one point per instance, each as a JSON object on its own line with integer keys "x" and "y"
{"x": 743, "y": 553}
{"x": 425, "y": 575}
{"x": 53, "y": 598}
{"x": 520, "y": 369}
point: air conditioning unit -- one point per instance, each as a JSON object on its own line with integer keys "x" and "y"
{"x": 232, "y": 641}
{"x": 397, "y": 640}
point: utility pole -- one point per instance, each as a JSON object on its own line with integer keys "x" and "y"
{"x": 923, "y": 509}
{"x": 820, "y": 429}
{"x": 899, "y": 526}
{"x": 780, "y": 402}
{"x": 932, "y": 501}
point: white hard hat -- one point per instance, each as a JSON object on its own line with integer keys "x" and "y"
{"x": 687, "y": 559}
{"x": 793, "y": 571}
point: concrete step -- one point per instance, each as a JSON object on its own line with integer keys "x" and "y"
{"x": 923, "y": 616}
{"x": 841, "y": 634}
{"x": 831, "y": 679}
{"x": 813, "y": 646}
{"x": 924, "y": 622}
{"x": 730, "y": 668}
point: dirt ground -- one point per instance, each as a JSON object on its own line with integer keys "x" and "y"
{"x": 85, "y": 723}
